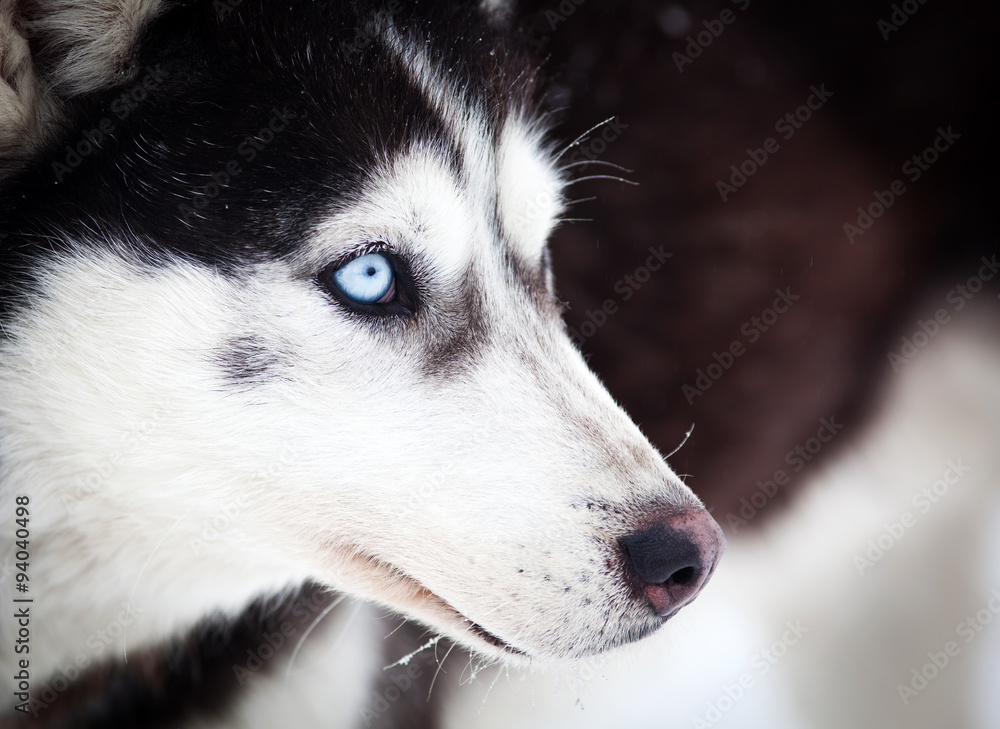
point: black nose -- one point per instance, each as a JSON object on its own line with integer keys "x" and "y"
{"x": 673, "y": 559}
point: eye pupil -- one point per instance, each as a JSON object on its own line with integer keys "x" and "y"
{"x": 366, "y": 279}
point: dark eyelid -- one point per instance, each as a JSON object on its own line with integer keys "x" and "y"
{"x": 404, "y": 301}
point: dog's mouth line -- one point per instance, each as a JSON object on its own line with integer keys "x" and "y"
{"x": 471, "y": 625}
{"x": 493, "y": 640}
{"x": 414, "y": 590}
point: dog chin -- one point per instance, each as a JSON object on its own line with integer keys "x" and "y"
{"x": 385, "y": 584}
{"x": 435, "y": 611}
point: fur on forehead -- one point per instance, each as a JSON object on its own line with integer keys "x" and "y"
{"x": 418, "y": 200}
{"x": 383, "y": 83}
{"x": 415, "y": 202}
{"x": 504, "y": 169}
{"x": 87, "y": 45}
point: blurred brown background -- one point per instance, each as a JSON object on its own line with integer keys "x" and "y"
{"x": 680, "y": 123}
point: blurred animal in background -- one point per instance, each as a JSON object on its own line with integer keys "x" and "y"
{"x": 805, "y": 270}
{"x": 832, "y": 432}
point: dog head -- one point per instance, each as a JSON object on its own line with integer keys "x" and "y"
{"x": 285, "y": 311}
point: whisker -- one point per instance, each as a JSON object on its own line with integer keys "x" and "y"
{"x": 546, "y": 114}
{"x": 582, "y": 137}
{"x": 596, "y": 162}
{"x": 686, "y": 436}
{"x": 393, "y": 631}
{"x": 406, "y": 659}
{"x": 440, "y": 666}
{"x": 472, "y": 672}
{"x": 312, "y": 626}
{"x": 131, "y": 597}
{"x": 489, "y": 691}
{"x": 601, "y": 177}
{"x": 492, "y": 610}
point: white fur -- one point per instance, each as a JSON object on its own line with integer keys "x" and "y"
{"x": 530, "y": 187}
{"x": 326, "y": 685}
{"x": 866, "y": 631}
{"x": 489, "y": 489}
{"x": 521, "y": 175}
{"x": 353, "y": 465}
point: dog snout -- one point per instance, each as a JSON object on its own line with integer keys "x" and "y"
{"x": 672, "y": 559}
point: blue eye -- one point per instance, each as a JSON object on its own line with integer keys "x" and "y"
{"x": 367, "y": 279}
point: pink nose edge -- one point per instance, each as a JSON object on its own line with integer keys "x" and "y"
{"x": 673, "y": 559}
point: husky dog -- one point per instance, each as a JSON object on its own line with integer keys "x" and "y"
{"x": 278, "y": 315}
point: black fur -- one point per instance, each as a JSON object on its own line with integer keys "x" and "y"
{"x": 239, "y": 128}
{"x": 195, "y": 676}
{"x": 249, "y": 360}
{"x": 164, "y": 180}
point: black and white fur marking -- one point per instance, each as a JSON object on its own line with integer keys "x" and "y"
{"x": 201, "y": 422}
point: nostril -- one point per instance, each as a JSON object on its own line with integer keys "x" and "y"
{"x": 672, "y": 559}
{"x": 683, "y": 576}
{"x": 661, "y": 553}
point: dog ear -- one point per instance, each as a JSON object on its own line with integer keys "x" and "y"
{"x": 53, "y": 50}
{"x": 80, "y": 46}
{"x": 28, "y": 108}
